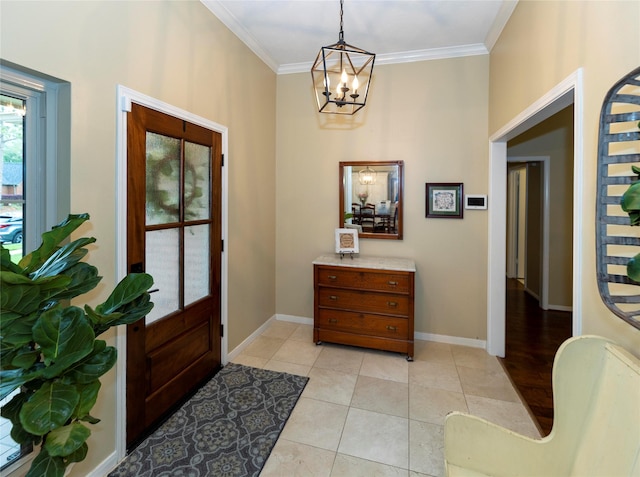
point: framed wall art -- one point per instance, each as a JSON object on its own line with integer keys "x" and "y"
{"x": 444, "y": 200}
{"x": 347, "y": 241}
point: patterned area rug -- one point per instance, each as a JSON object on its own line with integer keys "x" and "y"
{"x": 227, "y": 429}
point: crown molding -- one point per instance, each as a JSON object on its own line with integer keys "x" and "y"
{"x": 402, "y": 57}
{"x": 237, "y": 29}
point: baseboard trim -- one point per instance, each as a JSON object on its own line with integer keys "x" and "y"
{"x": 454, "y": 340}
{"x": 238, "y": 349}
{"x": 295, "y": 319}
{"x": 106, "y": 466}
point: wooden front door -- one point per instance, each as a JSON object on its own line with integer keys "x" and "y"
{"x": 174, "y": 234}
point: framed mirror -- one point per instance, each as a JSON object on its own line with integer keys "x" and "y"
{"x": 371, "y": 199}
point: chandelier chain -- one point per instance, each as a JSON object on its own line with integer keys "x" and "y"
{"x": 341, "y": 36}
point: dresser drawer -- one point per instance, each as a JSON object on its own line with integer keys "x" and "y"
{"x": 396, "y": 282}
{"x": 384, "y": 303}
{"x": 363, "y": 323}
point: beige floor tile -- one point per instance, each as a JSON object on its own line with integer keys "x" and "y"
{"x": 490, "y": 383}
{"x": 316, "y": 423}
{"x": 511, "y": 415}
{"x": 340, "y": 358}
{"x": 432, "y": 352}
{"x": 426, "y": 450}
{"x": 250, "y": 361}
{"x": 303, "y": 333}
{"x": 391, "y": 366}
{"x": 263, "y": 347}
{"x": 292, "y": 459}
{"x": 432, "y": 404}
{"x": 330, "y": 386}
{"x": 377, "y": 437}
{"x": 291, "y": 368}
{"x": 280, "y": 329}
{"x": 435, "y": 375}
{"x": 381, "y": 395}
{"x": 476, "y": 358}
{"x": 297, "y": 352}
{"x": 349, "y": 466}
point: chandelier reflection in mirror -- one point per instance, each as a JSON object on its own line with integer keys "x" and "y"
{"x": 342, "y": 76}
{"x": 367, "y": 176}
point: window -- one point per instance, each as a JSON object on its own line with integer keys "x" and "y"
{"x": 34, "y": 168}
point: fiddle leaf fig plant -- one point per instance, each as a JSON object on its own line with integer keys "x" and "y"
{"x": 49, "y": 349}
{"x": 630, "y": 203}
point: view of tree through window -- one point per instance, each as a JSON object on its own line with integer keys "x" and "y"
{"x": 12, "y": 120}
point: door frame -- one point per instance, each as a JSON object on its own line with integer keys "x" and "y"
{"x": 546, "y": 213}
{"x": 126, "y": 96}
{"x": 569, "y": 91}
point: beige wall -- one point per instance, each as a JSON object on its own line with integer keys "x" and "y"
{"x": 433, "y": 116}
{"x": 179, "y": 53}
{"x": 554, "y": 138}
{"x": 542, "y": 44}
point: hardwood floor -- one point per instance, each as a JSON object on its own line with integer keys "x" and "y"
{"x": 533, "y": 336}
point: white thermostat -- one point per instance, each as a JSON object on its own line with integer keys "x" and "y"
{"x": 475, "y": 201}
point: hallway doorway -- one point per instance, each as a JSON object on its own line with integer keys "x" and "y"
{"x": 566, "y": 93}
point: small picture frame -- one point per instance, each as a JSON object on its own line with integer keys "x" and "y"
{"x": 444, "y": 200}
{"x": 347, "y": 241}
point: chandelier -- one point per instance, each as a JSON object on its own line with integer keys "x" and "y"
{"x": 367, "y": 176}
{"x": 341, "y": 76}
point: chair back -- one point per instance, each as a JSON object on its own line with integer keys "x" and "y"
{"x": 596, "y": 387}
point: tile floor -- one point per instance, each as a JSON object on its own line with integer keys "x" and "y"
{"x": 372, "y": 413}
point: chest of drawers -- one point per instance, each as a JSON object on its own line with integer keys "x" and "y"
{"x": 367, "y": 302}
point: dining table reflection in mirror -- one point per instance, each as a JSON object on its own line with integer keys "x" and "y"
{"x": 371, "y": 198}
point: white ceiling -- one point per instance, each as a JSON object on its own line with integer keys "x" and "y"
{"x": 287, "y": 34}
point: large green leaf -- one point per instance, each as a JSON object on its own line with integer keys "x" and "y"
{"x": 5, "y": 261}
{"x": 50, "y": 241}
{"x": 50, "y": 407}
{"x": 66, "y": 439}
{"x": 63, "y": 258}
{"x": 45, "y": 465}
{"x": 129, "y": 313}
{"x": 88, "y": 396}
{"x": 64, "y": 336}
{"x": 22, "y": 295}
{"x": 95, "y": 365}
{"x": 17, "y": 333}
{"x": 630, "y": 202}
{"x": 79, "y": 455}
{"x": 633, "y": 268}
{"x": 11, "y": 411}
{"x": 12, "y": 379}
{"x": 130, "y": 287}
{"x": 84, "y": 278}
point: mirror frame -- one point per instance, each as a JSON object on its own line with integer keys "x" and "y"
{"x": 373, "y": 164}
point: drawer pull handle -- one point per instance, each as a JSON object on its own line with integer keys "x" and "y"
{"x": 333, "y": 297}
{"x": 332, "y": 277}
{"x": 332, "y": 320}
{"x": 392, "y": 283}
{"x": 392, "y": 328}
{"x": 392, "y": 303}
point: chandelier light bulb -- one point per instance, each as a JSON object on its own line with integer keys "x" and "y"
{"x": 356, "y": 83}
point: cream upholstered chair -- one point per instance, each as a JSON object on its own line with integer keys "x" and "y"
{"x": 596, "y": 428}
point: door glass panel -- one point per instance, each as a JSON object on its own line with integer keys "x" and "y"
{"x": 196, "y": 181}
{"x": 163, "y": 263}
{"x": 196, "y": 263}
{"x": 163, "y": 179}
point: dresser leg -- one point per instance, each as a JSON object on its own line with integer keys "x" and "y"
{"x": 409, "y": 358}
{"x": 318, "y": 343}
